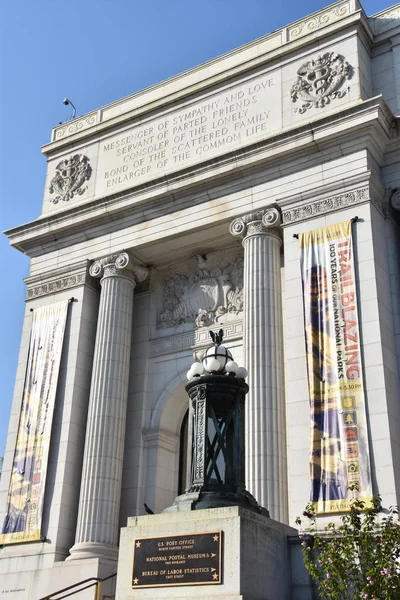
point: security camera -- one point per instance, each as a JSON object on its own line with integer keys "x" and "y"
{"x": 67, "y": 102}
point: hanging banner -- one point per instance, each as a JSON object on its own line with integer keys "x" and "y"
{"x": 28, "y": 478}
{"x": 339, "y": 456}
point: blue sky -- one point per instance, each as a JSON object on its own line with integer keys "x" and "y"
{"x": 95, "y": 52}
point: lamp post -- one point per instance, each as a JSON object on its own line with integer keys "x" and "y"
{"x": 217, "y": 391}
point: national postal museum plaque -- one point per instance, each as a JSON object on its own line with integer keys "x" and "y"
{"x": 190, "y": 559}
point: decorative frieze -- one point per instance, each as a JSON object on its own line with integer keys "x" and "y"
{"x": 203, "y": 297}
{"x": 321, "y": 19}
{"x": 75, "y": 125}
{"x": 319, "y": 207}
{"x": 57, "y": 280}
{"x": 71, "y": 173}
{"x": 320, "y": 80}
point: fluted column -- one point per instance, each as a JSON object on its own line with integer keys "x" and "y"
{"x": 97, "y": 526}
{"x": 266, "y": 471}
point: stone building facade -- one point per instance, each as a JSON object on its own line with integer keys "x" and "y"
{"x": 174, "y": 211}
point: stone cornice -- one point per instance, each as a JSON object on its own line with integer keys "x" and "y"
{"x": 58, "y": 280}
{"x": 284, "y": 41}
{"x": 371, "y": 120}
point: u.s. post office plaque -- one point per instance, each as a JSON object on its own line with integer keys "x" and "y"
{"x": 189, "y": 559}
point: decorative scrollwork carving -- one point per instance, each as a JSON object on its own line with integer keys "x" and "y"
{"x": 76, "y": 125}
{"x": 266, "y": 220}
{"x": 118, "y": 264}
{"x": 71, "y": 174}
{"x": 319, "y": 81}
{"x": 203, "y": 297}
{"x": 318, "y": 21}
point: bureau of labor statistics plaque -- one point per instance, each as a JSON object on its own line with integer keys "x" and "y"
{"x": 189, "y": 559}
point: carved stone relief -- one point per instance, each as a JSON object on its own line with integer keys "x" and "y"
{"x": 322, "y": 19}
{"x": 203, "y": 297}
{"x": 320, "y": 80}
{"x": 302, "y": 213}
{"x": 76, "y": 125}
{"x": 71, "y": 174}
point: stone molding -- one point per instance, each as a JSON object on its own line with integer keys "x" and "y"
{"x": 327, "y": 205}
{"x": 204, "y": 297}
{"x": 160, "y": 438}
{"x": 321, "y": 19}
{"x": 58, "y": 280}
{"x": 118, "y": 265}
{"x": 261, "y": 222}
{"x": 193, "y": 339}
{"x": 385, "y": 20}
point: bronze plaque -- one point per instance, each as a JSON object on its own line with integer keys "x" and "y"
{"x": 189, "y": 559}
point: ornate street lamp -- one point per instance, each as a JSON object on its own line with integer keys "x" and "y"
{"x": 217, "y": 391}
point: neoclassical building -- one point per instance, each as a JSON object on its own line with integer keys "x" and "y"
{"x": 182, "y": 209}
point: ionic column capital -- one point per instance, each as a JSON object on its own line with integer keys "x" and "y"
{"x": 118, "y": 265}
{"x": 261, "y": 222}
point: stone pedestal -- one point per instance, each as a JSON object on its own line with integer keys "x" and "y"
{"x": 255, "y": 554}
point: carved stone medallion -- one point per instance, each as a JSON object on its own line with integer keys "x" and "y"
{"x": 203, "y": 297}
{"x": 69, "y": 178}
{"x": 319, "y": 81}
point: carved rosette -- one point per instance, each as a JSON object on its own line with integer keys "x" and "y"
{"x": 118, "y": 265}
{"x": 320, "y": 80}
{"x": 261, "y": 222}
{"x": 70, "y": 176}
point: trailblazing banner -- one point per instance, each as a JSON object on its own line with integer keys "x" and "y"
{"x": 339, "y": 456}
{"x": 28, "y": 478}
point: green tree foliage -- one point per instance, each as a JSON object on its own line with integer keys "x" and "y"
{"x": 358, "y": 559}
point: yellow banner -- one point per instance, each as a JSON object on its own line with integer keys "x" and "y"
{"x": 28, "y": 478}
{"x": 339, "y": 456}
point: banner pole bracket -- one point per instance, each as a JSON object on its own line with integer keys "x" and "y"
{"x": 69, "y": 300}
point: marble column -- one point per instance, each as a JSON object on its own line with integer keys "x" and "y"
{"x": 266, "y": 471}
{"x": 98, "y": 516}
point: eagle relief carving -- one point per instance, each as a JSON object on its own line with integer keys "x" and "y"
{"x": 203, "y": 297}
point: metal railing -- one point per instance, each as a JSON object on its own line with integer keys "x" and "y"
{"x": 95, "y": 581}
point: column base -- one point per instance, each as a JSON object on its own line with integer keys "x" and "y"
{"x": 85, "y": 550}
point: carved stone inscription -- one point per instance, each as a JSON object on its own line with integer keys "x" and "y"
{"x": 239, "y": 115}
